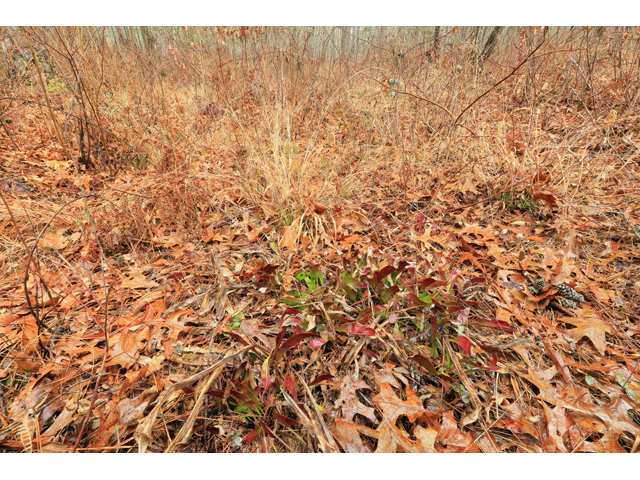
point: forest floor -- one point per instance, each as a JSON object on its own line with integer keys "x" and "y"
{"x": 179, "y": 309}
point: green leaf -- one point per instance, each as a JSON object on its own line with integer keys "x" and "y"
{"x": 590, "y": 380}
{"x": 631, "y": 394}
{"x": 620, "y": 379}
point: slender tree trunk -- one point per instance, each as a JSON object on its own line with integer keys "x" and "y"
{"x": 344, "y": 42}
{"x": 490, "y": 45}
{"x": 433, "y": 53}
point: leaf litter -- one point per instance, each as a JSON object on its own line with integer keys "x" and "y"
{"x": 202, "y": 309}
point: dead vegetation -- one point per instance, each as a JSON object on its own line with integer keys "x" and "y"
{"x": 296, "y": 239}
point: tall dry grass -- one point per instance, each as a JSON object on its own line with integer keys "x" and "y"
{"x": 279, "y": 115}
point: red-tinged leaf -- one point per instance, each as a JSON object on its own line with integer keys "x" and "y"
{"x": 386, "y": 271}
{"x": 294, "y": 340}
{"x": 216, "y": 393}
{"x": 333, "y": 316}
{"x": 356, "y": 329}
{"x": 393, "y": 318}
{"x": 289, "y": 311}
{"x": 188, "y": 390}
{"x": 251, "y": 435}
{"x": 264, "y": 374}
{"x": 465, "y": 343}
{"x": 370, "y": 353}
{"x": 285, "y": 420}
{"x": 212, "y": 429}
{"x": 291, "y": 387}
{"x": 176, "y": 275}
{"x": 269, "y": 269}
{"x": 363, "y": 317}
{"x": 239, "y": 396}
{"x": 238, "y": 338}
{"x": 317, "y": 342}
{"x": 320, "y": 379}
{"x": 492, "y": 323}
{"x": 279, "y": 338}
{"x": 304, "y": 410}
{"x": 426, "y": 363}
{"x": 454, "y": 274}
{"x": 414, "y": 299}
{"x": 432, "y": 283}
{"x": 494, "y": 361}
{"x": 478, "y": 280}
{"x": 267, "y": 429}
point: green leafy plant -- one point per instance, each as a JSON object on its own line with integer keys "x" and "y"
{"x": 518, "y": 200}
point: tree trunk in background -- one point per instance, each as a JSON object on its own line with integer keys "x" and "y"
{"x": 122, "y": 36}
{"x": 149, "y": 39}
{"x": 489, "y": 45}
{"x": 436, "y": 45}
{"x": 344, "y": 42}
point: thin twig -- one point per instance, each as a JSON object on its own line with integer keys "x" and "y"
{"x": 86, "y": 418}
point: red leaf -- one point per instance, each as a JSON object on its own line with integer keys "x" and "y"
{"x": 289, "y": 385}
{"x": 494, "y": 362}
{"x": 251, "y": 435}
{"x": 431, "y": 282}
{"x": 320, "y": 379}
{"x": 370, "y": 353}
{"x": 317, "y": 342}
{"x": 304, "y": 410}
{"x": 294, "y": 340}
{"x": 267, "y": 429}
{"x": 465, "y": 343}
{"x": 237, "y": 337}
{"x": 280, "y": 337}
{"x": 426, "y": 363}
{"x": 285, "y": 420}
{"x": 356, "y": 329}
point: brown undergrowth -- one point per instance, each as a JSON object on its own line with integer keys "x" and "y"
{"x": 280, "y": 253}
